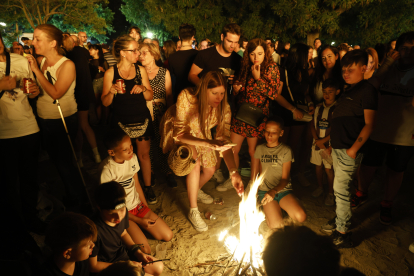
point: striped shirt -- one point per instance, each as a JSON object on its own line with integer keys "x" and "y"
{"x": 110, "y": 59}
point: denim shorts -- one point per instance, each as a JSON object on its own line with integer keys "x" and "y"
{"x": 278, "y": 196}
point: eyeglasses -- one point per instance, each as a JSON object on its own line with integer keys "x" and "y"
{"x": 134, "y": 51}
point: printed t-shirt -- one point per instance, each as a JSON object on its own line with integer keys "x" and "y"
{"x": 272, "y": 160}
{"x": 180, "y": 65}
{"x": 49, "y": 268}
{"x": 109, "y": 246}
{"x": 16, "y": 114}
{"x": 210, "y": 60}
{"x": 395, "y": 116}
{"x": 124, "y": 175}
{"x": 322, "y": 119}
{"x": 348, "y": 117}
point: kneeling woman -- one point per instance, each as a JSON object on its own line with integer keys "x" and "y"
{"x": 275, "y": 160}
{"x": 189, "y": 122}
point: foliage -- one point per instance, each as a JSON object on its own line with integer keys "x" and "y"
{"x": 9, "y": 35}
{"x": 77, "y": 13}
{"x": 137, "y": 15}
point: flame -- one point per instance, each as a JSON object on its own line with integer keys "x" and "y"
{"x": 250, "y": 220}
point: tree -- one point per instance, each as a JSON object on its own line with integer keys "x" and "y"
{"x": 77, "y": 13}
{"x": 136, "y": 14}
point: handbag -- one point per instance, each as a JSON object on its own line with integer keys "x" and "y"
{"x": 134, "y": 130}
{"x": 181, "y": 160}
{"x": 250, "y": 114}
{"x": 301, "y": 107}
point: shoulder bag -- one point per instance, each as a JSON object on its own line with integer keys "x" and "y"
{"x": 250, "y": 114}
{"x": 301, "y": 107}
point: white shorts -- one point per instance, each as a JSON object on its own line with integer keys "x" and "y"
{"x": 317, "y": 159}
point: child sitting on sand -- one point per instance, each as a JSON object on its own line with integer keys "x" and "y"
{"x": 122, "y": 166}
{"x": 274, "y": 159}
{"x": 113, "y": 243}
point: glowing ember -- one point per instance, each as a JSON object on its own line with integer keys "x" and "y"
{"x": 250, "y": 220}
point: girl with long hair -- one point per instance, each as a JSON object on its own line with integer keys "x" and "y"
{"x": 372, "y": 63}
{"x": 135, "y": 33}
{"x": 189, "y": 122}
{"x": 130, "y": 108}
{"x": 257, "y": 84}
{"x": 169, "y": 49}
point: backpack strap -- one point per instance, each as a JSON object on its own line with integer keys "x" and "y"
{"x": 7, "y": 69}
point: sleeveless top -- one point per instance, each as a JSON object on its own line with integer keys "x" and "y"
{"x": 130, "y": 108}
{"x": 45, "y": 106}
{"x": 158, "y": 86}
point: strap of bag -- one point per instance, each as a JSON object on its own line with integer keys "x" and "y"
{"x": 287, "y": 84}
{"x": 7, "y": 69}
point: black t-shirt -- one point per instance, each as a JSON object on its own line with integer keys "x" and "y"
{"x": 348, "y": 117}
{"x": 109, "y": 246}
{"x": 210, "y": 60}
{"x": 49, "y": 268}
{"x": 180, "y": 64}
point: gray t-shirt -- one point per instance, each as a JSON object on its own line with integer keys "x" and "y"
{"x": 272, "y": 160}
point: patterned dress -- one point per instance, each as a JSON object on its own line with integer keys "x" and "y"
{"x": 158, "y": 158}
{"x": 182, "y": 118}
{"x": 258, "y": 93}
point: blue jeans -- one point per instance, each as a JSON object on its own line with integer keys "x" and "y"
{"x": 345, "y": 167}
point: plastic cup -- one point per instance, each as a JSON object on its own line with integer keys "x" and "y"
{"x": 161, "y": 250}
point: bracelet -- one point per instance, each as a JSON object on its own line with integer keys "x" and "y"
{"x": 135, "y": 248}
{"x": 233, "y": 171}
{"x": 145, "y": 89}
{"x": 293, "y": 109}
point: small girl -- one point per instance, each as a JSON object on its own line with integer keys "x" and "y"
{"x": 274, "y": 159}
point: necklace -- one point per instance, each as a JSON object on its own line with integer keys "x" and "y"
{"x": 120, "y": 72}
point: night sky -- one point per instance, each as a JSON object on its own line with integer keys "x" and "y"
{"x": 119, "y": 23}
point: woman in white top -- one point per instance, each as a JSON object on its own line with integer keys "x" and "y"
{"x": 19, "y": 141}
{"x": 56, "y": 76}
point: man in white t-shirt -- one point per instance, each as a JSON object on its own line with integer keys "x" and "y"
{"x": 393, "y": 136}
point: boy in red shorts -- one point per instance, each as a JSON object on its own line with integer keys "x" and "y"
{"x": 122, "y": 166}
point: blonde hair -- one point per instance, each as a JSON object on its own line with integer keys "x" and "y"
{"x": 53, "y": 33}
{"x": 210, "y": 80}
{"x": 121, "y": 43}
{"x": 153, "y": 49}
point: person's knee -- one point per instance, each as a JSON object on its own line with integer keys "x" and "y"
{"x": 274, "y": 224}
{"x": 168, "y": 235}
{"x": 300, "y": 216}
{"x": 158, "y": 268}
{"x": 251, "y": 152}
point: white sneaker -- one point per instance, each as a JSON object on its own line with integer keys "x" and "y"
{"x": 317, "y": 192}
{"x": 204, "y": 198}
{"x": 197, "y": 221}
{"x": 330, "y": 200}
{"x": 218, "y": 175}
{"x": 225, "y": 186}
{"x": 411, "y": 248}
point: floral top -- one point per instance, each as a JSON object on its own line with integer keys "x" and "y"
{"x": 257, "y": 92}
{"x": 183, "y": 118}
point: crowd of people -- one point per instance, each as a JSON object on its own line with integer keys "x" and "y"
{"x": 344, "y": 109}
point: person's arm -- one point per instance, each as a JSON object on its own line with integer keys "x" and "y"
{"x": 236, "y": 180}
{"x": 378, "y": 77}
{"x": 55, "y": 91}
{"x": 268, "y": 84}
{"x": 7, "y": 83}
{"x": 168, "y": 89}
{"x": 95, "y": 266}
{"x": 309, "y": 101}
{"x": 284, "y": 103}
{"x": 193, "y": 75}
{"x": 148, "y": 94}
{"x": 109, "y": 89}
{"x": 139, "y": 190}
{"x": 129, "y": 243}
{"x": 270, "y": 195}
{"x": 363, "y": 136}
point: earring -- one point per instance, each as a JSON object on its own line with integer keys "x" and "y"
{"x": 123, "y": 56}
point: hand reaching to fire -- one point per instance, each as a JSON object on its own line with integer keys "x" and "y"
{"x": 237, "y": 183}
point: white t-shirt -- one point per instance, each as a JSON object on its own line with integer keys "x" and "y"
{"x": 394, "y": 122}
{"x": 124, "y": 175}
{"x": 45, "y": 106}
{"x": 16, "y": 114}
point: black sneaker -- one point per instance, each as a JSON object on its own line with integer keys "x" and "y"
{"x": 385, "y": 213}
{"x": 342, "y": 240}
{"x": 153, "y": 180}
{"x": 171, "y": 181}
{"x": 358, "y": 199}
{"x": 150, "y": 195}
{"x": 330, "y": 226}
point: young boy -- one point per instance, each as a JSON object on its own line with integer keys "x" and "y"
{"x": 113, "y": 242}
{"x": 274, "y": 159}
{"x": 321, "y": 129}
{"x": 122, "y": 166}
{"x": 352, "y": 124}
{"x": 393, "y": 136}
{"x": 71, "y": 237}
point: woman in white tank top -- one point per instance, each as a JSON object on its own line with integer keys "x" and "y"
{"x": 56, "y": 77}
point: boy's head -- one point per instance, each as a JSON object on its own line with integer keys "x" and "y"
{"x": 331, "y": 89}
{"x": 274, "y": 129}
{"x": 354, "y": 65}
{"x": 119, "y": 145}
{"x": 186, "y": 32}
{"x": 110, "y": 198}
{"x": 124, "y": 268}
{"x": 71, "y": 236}
{"x": 405, "y": 46}
{"x": 299, "y": 251}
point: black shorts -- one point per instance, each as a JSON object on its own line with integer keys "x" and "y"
{"x": 397, "y": 157}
